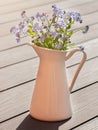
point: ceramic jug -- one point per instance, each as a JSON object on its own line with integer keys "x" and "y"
{"x": 51, "y": 96}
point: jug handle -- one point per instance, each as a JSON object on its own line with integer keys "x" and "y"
{"x": 81, "y": 49}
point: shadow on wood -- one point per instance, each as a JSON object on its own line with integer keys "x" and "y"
{"x": 30, "y": 123}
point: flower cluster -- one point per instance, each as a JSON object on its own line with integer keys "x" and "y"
{"x": 54, "y": 32}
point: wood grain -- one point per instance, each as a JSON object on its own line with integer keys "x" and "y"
{"x": 9, "y": 6}
{"x": 87, "y": 76}
{"x": 26, "y": 52}
{"x": 9, "y": 42}
{"x": 82, "y": 105}
{"x": 22, "y": 72}
{"x": 91, "y": 125}
{"x": 19, "y": 65}
{"x": 68, "y": 5}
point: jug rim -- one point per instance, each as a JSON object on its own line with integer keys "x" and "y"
{"x": 49, "y": 49}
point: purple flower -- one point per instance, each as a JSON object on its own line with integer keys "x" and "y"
{"x": 62, "y": 23}
{"x": 37, "y": 27}
{"x": 42, "y": 39}
{"x": 86, "y": 29}
{"x": 23, "y": 14}
{"x": 21, "y": 25}
{"x": 41, "y": 16}
{"x": 68, "y": 15}
{"x": 57, "y": 11}
{"x": 64, "y": 37}
{"x": 43, "y": 28}
{"x": 17, "y": 39}
{"x": 56, "y": 25}
{"x": 54, "y": 34}
{"x": 58, "y": 46}
{"x": 13, "y": 30}
{"x": 75, "y": 16}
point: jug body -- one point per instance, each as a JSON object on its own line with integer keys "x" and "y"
{"x": 51, "y": 96}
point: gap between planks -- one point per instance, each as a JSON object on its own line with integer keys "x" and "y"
{"x": 27, "y": 5}
{"x": 9, "y": 42}
{"x": 13, "y": 75}
{"x": 91, "y": 124}
{"x": 86, "y": 77}
{"x": 84, "y": 106}
{"x": 5, "y": 27}
{"x": 23, "y": 5}
{"x": 24, "y": 53}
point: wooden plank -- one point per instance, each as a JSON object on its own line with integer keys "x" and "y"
{"x": 91, "y": 125}
{"x": 16, "y": 55}
{"x": 10, "y": 17}
{"x": 84, "y": 105}
{"x": 4, "y": 2}
{"x": 79, "y": 37}
{"x": 23, "y": 5}
{"x": 82, "y": 114}
{"x": 20, "y": 96}
{"x": 90, "y": 17}
{"x": 14, "y": 124}
{"x": 9, "y": 41}
{"x": 88, "y": 74}
{"x": 18, "y": 73}
{"x": 25, "y": 71}
{"x": 87, "y": 8}
{"x": 19, "y": 54}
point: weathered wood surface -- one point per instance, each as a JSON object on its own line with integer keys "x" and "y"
{"x": 85, "y": 73}
{"x": 19, "y": 65}
{"x": 84, "y": 104}
{"x": 91, "y": 125}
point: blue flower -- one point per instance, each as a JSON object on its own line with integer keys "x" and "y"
{"x": 37, "y": 27}
{"x": 54, "y": 34}
{"x": 23, "y": 14}
{"x": 41, "y": 17}
{"x": 57, "y": 11}
{"x": 42, "y": 39}
{"x": 77, "y": 17}
{"x": 86, "y": 29}
{"x": 74, "y": 16}
{"x": 61, "y": 22}
{"x": 68, "y": 15}
{"x": 58, "y": 46}
{"x": 18, "y": 37}
{"x": 44, "y": 29}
